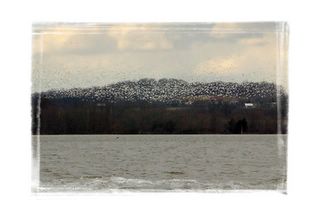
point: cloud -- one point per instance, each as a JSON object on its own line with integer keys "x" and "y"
{"x": 98, "y": 39}
{"x": 221, "y": 29}
{"x": 221, "y": 66}
{"x": 66, "y": 39}
{"x": 245, "y": 27}
{"x": 75, "y": 56}
{"x": 243, "y": 33}
{"x": 250, "y": 58}
{"x": 138, "y": 37}
{"x": 43, "y": 43}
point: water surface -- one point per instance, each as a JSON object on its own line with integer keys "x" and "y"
{"x": 161, "y": 162}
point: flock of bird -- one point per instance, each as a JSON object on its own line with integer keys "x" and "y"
{"x": 167, "y": 90}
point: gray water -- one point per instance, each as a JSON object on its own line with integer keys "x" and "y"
{"x": 161, "y": 162}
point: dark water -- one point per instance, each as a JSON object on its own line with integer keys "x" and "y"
{"x": 158, "y": 162}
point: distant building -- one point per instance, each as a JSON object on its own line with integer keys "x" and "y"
{"x": 249, "y": 105}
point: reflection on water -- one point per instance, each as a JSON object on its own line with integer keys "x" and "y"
{"x": 162, "y": 162}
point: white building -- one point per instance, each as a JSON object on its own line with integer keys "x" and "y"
{"x": 248, "y": 105}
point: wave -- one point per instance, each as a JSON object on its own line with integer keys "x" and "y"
{"x": 103, "y": 184}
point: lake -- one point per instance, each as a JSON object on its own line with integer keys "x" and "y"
{"x": 159, "y": 162}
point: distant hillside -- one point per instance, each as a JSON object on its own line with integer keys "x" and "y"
{"x": 168, "y": 91}
{"x": 167, "y": 106}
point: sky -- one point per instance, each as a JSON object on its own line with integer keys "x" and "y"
{"x": 85, "y": 55}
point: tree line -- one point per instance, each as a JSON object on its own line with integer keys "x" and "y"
{"x": 72, "y": 117}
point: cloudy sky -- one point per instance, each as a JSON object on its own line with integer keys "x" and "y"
{"x": 79, "y": 55}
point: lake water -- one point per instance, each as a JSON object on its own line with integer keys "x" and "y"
{"x": 160, "y": 162}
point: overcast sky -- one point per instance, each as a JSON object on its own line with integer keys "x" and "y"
{"x": 79, "y": 55}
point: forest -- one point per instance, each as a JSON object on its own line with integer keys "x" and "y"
{"x": 77, "y": 117}
{"x": 165, "y": 106}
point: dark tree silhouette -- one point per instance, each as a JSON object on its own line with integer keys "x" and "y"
{"x": 83, "y": 111}
{"x": 231, "y": 126}
{"x": 239, "y": 127}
